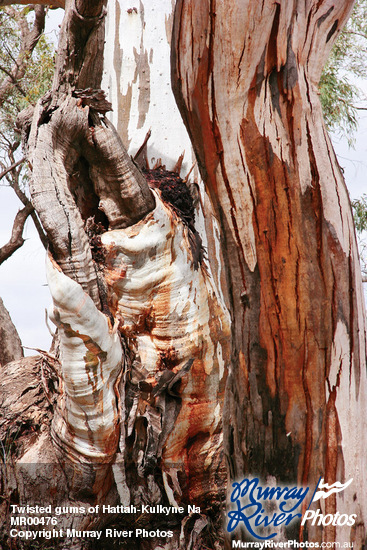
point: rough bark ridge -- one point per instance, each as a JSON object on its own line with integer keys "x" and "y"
{"x": 247, "y": 90}
{"x": 144, "y": 335}
{"x": 10, "y": 344}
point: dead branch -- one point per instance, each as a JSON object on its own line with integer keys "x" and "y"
{"x": 16, "y": 239}
{"x": 71, "y": 117}
{"x": 11, "y": 167}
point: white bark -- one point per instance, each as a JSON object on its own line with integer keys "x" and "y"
{"x": 85, "y": 427}
{"x": 173, "y": 318}
{"x": 137, "y": 79}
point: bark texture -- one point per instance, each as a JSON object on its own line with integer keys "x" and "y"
{"x": 136, "y": 417}
{"x": 10, "y": 344}
{"x": 245, "y": 77}
{"x": 247, "y": 90}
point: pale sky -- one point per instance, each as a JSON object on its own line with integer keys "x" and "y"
{"x": 22, "y": 277}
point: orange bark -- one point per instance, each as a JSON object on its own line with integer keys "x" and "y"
{"x": 247, "y": 90}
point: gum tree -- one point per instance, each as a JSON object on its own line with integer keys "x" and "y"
{"x": 252, "y": 108}
{"x": 158, "y": 376}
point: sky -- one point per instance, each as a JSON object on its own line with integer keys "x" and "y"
{"x": 23, "y": 286}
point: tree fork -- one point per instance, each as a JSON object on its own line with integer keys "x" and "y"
{"x": 166, "y": 408}
{"x": 66, "y": 128}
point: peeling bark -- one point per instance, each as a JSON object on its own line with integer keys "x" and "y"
{"x": 178, "y": 328}
{"x": 247, "y": 90}
{"x": 85, "y": 427}
{"x": 67, "y": 134}
{"x": 298, "y": 379}
{"x": 152, "y": 431}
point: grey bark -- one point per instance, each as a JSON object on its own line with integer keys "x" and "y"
{"x": 10, "y": 343}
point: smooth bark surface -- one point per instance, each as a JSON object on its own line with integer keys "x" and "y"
{"x": 247, "y": 90}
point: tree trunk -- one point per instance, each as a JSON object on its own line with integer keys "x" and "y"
{"x": 140, "y": 385}
{"x": 136, "y": 399}
{"x": 10, "y": 344}
{"x": 247, "y": 90}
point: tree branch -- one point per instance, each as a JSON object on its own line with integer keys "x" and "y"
{"x": 11, "y": 167}
{"x": 71, "y": 117}
{"x": 79, "y": 63}
{"x": 30, "y": 38}
{"x": 356, "y": 33}
{"x": 16, "y": 239}
{"x": 51, "y": 3}
{"x": 15, "y": 82}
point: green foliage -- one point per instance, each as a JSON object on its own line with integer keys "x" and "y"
{"x": 359, "y": 207}
{"x": 40, "y": 71}
{"x": 39, "y": 67}
{"x": 26, "y": 73}
{"x": 340, "y": 95}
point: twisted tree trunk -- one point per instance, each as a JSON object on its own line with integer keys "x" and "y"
{"x": 143, "y": 333}
{"x": 247, "y": 90}
{"x": 135, "y": 409}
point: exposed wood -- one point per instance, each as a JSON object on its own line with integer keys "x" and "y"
{"x": 67, "y": 135}
{"x": 51, "y": 196}
{"x": 29, "y": 466}
{"x": 298, "y": 381}
{"x": 177, "y": 327}
{"x": 124, "y": 194}
{"x": 170, "y": 398}
{"x": 140, "y": 157}
{"x": 24, "y": 199}
{"x": 137, "y": 74}
{"x": 79, "y": 61}
{"x": 168, "y": 403}
{"x": 247, "y": 90}
{"x": 85, "y": 427}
